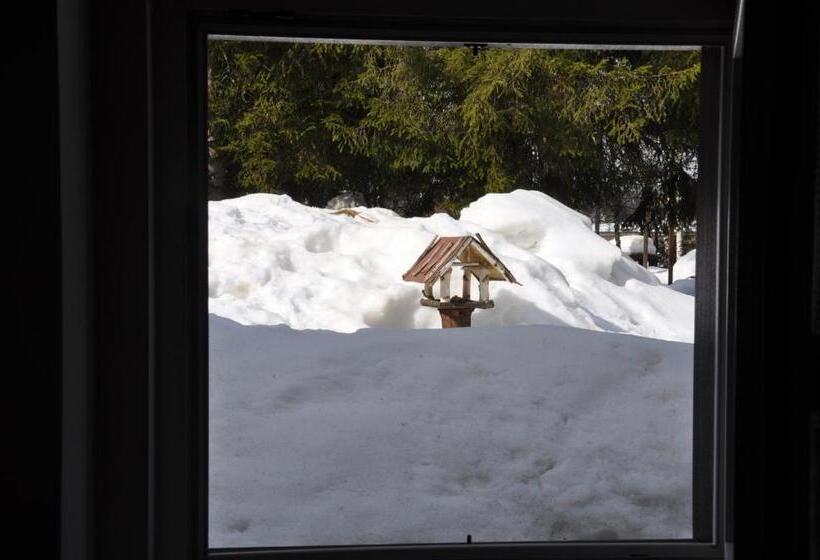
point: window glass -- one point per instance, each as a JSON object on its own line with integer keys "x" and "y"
{"x": 451, "y": 293}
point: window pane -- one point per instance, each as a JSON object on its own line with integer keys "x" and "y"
{"x": 363, "y": 197}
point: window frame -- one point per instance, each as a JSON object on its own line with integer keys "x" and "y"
{"x": 178, "y": 258}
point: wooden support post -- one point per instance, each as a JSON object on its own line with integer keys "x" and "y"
{"x": 458, "y": 317}
{"x": 465, "y": 284}
{"x": 444, "y": 290}
{"x": 483, "y": 285}
{"x": 428, "y": 290}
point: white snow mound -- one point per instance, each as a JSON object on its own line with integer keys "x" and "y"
{"x": 685, "y": 265}
{"x": 633, "y": 245}
{"x": 274, "y": 261}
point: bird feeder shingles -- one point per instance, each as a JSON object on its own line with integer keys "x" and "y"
{"x": 444, "y": 251}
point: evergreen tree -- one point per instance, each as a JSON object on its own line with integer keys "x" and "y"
{"x": 420, "y": 129}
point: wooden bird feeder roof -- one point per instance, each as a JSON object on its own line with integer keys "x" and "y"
{"x": 445, "y": 252}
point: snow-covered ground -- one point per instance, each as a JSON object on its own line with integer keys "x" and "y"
{"x": 341, "y": 414}
{"x": 274, "y": 261}
{"x": 397, "y": 436}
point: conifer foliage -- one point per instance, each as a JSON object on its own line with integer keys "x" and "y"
{"x": 424, "y": 129}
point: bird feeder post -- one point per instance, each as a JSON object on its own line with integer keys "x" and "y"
{"x": 455, "y": 317}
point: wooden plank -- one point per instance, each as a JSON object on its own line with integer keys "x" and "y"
{"x": 507, "y": 274}
{"x": 442, "y": 253}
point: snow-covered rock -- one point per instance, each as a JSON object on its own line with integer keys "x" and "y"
{"x": 346, "y": 199}
{"x": 274, "y": 261}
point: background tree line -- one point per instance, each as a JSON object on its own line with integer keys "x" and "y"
{"x": 422, "y": 130}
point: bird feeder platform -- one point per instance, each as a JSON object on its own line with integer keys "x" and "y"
{"x": 457, "y": 312}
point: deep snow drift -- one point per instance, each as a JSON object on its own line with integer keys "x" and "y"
{"x": 274, "y": 261}
{"x": 533, "y": 425}
{"x": 685, "y": 265}
{"x": 683, "y": 274}
{"x": 633, "y": 245}
{"x": 400, "y": 436}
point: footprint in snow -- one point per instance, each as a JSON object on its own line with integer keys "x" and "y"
{"x": 239, "y": 525}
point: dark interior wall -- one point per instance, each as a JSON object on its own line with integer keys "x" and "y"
{"x": 74, "y": 78}
{"x": 777, "y": 356}
{"x": 120, "y": 209}
{"x": 30, "y": 412}
{"x": 576, "y": 15}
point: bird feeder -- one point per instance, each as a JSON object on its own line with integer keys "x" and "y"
{"x": 437, "y": 263}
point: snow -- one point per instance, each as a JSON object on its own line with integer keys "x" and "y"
{"x": 411, "y": 436}
{"x": 340, "y": 413}
{"x": 685, "y": 265}
{"x": 274, "y": 261}
{"x": 633, "y": 245}
{"x": 660, "y": 273}
{"x": 684, "y": 285}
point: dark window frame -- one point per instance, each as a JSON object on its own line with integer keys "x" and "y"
{"x": 178, "y": 321}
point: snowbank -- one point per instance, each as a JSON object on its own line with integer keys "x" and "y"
{"x": 548, "y": 430}
{"x": 548, "y": 229}
{"x": 274, "y": 261}
{"x": 401, "y": 436}
{"x": 633, "y": 245}
{"x": 685, "y": 266}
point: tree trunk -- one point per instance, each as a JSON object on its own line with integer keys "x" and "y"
{"x": 618, "y": 235}
{"x": 597, "y": 221}
{"x": 645, "y": 248}
{"x": 646, "y": 240}
{"x": 671, "y": 253}
{"x": 656, "y": 238}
